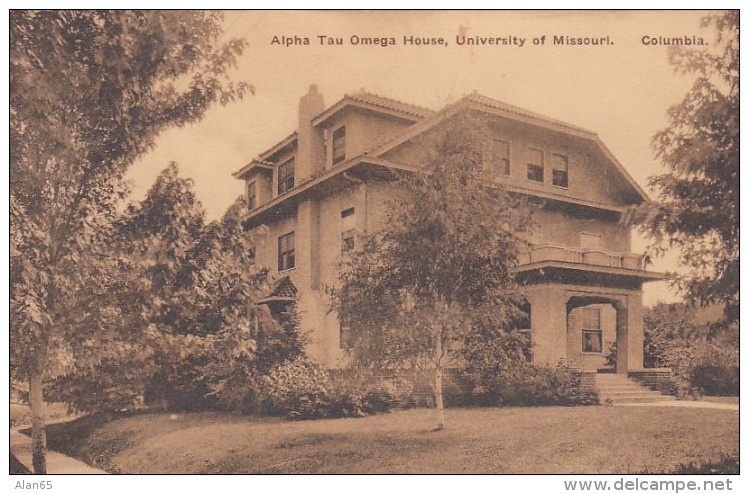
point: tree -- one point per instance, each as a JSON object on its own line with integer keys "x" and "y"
{"x": 196, "y": 337}
{"x": 678, "y": 336}
{"x": 698, "y": 207}
{"x": 150, "y": 241}
{"x": 413, "y": 292}
{"x": 215, "y": 299}
{"x": 89, "y": 93}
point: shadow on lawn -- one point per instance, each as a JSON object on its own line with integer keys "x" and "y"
{"x": 16, "y": 467}
{"x": 73, "y": 438}
{"x": 728, "y": 464}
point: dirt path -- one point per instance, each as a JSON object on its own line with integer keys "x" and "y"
{"x": 57, "y": 463}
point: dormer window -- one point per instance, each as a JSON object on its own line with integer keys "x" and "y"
{"x": 560, "y": 170}
{"x": 251, "y": 195}
{"x": 339, "y": 145}
{"x": 286, "y": 176}
{"x": 535, "y": 165}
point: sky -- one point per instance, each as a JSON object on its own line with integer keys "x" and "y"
{"x": 621, "y": 90}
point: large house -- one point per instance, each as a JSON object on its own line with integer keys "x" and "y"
{"x": 311, "y": 192}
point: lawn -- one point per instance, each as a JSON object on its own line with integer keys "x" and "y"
{"x": 510, "y": 440}
{"x": 20, "y": 414}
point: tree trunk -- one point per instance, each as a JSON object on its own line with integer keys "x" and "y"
{"x": 38, "y": 425}
{"x": 438, "y": 399}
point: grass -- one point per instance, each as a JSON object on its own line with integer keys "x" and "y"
{"x": 21, "y": 415}
{"x": 732, "y": 400}
{"x": 570, "y": 440}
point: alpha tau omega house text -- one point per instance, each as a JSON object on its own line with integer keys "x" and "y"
{"x": 310, "y": 193}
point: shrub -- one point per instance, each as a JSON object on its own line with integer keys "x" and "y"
{"x": 535, "y": 385}
{"x": 358, "y": 395}
{"x": 297, "y": 389}
{"x": 498, "y": 371}
{"x": 301, "y": 389}
{"x": 704, "y": 358}
{"x": 715, "y": 380}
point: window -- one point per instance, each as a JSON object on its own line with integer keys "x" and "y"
{"x": 339, "y": 145}
{"x": 590, "y": 241}
{"x": 286, "y": 252}
{"x": 498, "y": 159}
{"x": 536, "y": 165}
{"x": 560, "y": 170}
{"x": 344, "y": 338}
{"x": 251, "y": 195}
{"x": 348, "y": 229}
{"x": 592, "y": 334}
{"x": 286, "y": 176}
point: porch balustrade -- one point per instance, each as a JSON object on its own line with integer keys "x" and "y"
{"x": 550, "y": 252}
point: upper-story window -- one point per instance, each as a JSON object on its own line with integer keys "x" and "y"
{"x": 251, "y": 195}
{"x": 498, "y": 158}
{"x": 286, "y": 252}
{"x": 286, "y": 175}
{"x": 535, "y": 165}
{"x": 348, "y": 229}
{"x": 560, "y": 170}
{"x": 339, "y": 145}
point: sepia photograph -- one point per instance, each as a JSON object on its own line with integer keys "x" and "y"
{"x": 375, "y": 242}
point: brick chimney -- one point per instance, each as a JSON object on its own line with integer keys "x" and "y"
{"x": 310, "y": 146}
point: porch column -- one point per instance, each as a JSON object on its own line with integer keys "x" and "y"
{"x": 622, "y": 337}
{"x": 548, "y": 324}
{"x": 635, "y": 332}
{"x": 630, "y": 338}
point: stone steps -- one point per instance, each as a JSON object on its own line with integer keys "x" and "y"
{"x": 617, "y": 388}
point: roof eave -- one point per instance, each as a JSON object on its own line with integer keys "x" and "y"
{"x": 347, "y": 102}
{"x": 247, "y": 169}
{"x": 291, "y": 139}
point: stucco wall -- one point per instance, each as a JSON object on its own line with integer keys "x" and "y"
{"x": 266, "y": 241}
{"x": 592, "y": 177}
{"x": 368, "y": 131}
{"x": 556, "y": 227}
{"x": 364, "y": 131}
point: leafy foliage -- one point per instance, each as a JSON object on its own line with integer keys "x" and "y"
{"x": 498, "y": 369}
{"x": 301, "y": 389}
{"x": 203, "y": 340}
{"x": 90, "y": 91}
{"x": 702, "y": 361}
{"x": 444, "y": 258}
{"x": 698, "y": 207}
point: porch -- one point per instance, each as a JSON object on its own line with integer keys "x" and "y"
{"x": 585, "y": 306}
